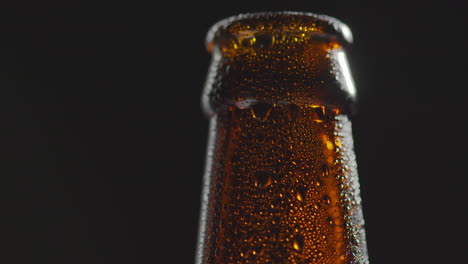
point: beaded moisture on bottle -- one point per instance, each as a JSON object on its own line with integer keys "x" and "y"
{"x": 281, "y": 183}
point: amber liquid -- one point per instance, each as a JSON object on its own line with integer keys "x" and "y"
{"x": 281, "y": 187}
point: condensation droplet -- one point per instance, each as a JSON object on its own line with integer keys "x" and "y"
{"x": 301, "y": 193}
{"x": 263, "y": 40}
{"x": 244, "y": 104}
{"x": 260, "y": 138}
{"x": 274, "y": 234}
{"x": 263, "y": 179}
{"x": 329, "y": 145}
{"x": 234, "y": 44}
{"x": 338, "y": 142}
{"x": 291, "y": 111}
{"x": 298, "y": 243}
{"x": 261, "y": 251}
{"x": 261, "y": 111}
{"x": 327, "y": 200}
{"x": 248, "y": 41}
{"x": 250, "y": 237}
{"x": 319, "y": 114}
{"x": 325, "y": 170}
{"x": 246, "y": 253}
{"x": 234, "y": 113}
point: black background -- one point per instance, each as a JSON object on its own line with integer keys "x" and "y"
{"x": 102, "y": 139}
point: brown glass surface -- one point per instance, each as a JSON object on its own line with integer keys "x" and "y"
{"x": 281, "y": 184}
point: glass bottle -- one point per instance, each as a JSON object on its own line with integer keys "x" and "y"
{"x": 281, "y": 184}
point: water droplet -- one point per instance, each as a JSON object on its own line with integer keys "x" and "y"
{"x": 274, "y": 234}
{"x": 247, "y": 252}
{"x": 261, "y": 111}
{"x": 234, "y": 44}
{"x": 291, "y": 111}
{"x": 263, "y": 179}
{"x": 329, "y": 145}
{"x": 325, "y": 170}
{"x": 251, "y": 237}
{"x": 298, "y": 243}
{"x": 260, "y": 251}
{"x": 301, "y": 193}
{"x": 248, "y": 42}
{"x": 260, "y": 138}
{"x": 235, "y": 117}
{"x": 264, "y": 40}
{"x": 338, "y": 142}
{"x": 276, "y": 203}
{"x": 319, "y": 113}
{"x": 327, "y": 200}
{"x": 244, "y": 104}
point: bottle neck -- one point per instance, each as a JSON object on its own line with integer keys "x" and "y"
{"x": 306, "y": 72}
